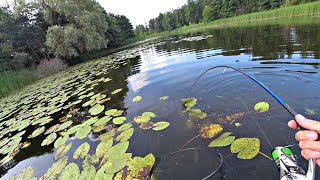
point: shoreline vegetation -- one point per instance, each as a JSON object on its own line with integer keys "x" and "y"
{"x": 12, "y": 81}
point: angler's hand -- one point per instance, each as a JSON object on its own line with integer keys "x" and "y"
{"x": 307, "y": 138}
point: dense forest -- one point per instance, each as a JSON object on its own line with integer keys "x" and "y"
{"x": 196, "y": 11}
{"x": 53, "y": 32}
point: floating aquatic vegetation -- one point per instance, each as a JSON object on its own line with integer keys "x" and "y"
{"x": 139, "y": 167}
{"x": 49, "y": 139}
{"x": 106, "y": 136}
{"x": 235, "y": 116}
{"x": 117, "y": 113}
{"x": 37, "y": 132}
{"x": 64, "y": 125}
{"x": 136, "y": 99}
{"x": 62, "y": 151}
{"x": 25, "y": 144}
{"x": 160, "y": 125}
{"x": 27, "y": 173}
{"x": 146, "y": 125}
{"x": 61, "y": 141}
{"x": 223, "y": 140}
{"x": 52, "y": 129}
{"x": 164, "y": 98}
{"x": 247, "y": 148}
{"x": 110, "y": 112}
{"x": 81, "y": 151}
{"x": 97, "y": 109}
{"x": 125, "y": 135}
{"x": 149, "y": 115}
{"x": 83, "y": 132}
{"x": 210, "y": 131}
{"x": 119, "y": 120}
{"x": 103, "y": 148}
{"x": 56, "y": 168}
{"x": 125, "y": 127}
{"x": 98, "y": 128}
{"x": 238, "y": 124}
{"x": 262, "y": 107}
{"x": 189, "y": 103}
{"x": 141, "y": 119}
{"x": 197, "y": 114}
{"x": 116, "y": 91}
{"x": 88, "y": 172}
{"x": 71, "y": 171}
{"x": 310, "y": 112}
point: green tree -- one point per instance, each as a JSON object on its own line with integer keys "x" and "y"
{"x": 208, "y": 14}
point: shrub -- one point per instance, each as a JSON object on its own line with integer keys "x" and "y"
{"x": 48, "y": 67}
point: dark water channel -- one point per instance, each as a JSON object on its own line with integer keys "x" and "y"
{"x": 285, "y": 58}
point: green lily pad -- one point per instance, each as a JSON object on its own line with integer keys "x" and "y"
{"x": 90, "y": 121}
{"x": 62, "y": 151}
{"x": 125, "y": 127}
{"x": 247, "y": 148}
{"x": 136, "y": 99}
{"x": 118, "y": 162}
{"x": 164, "y": 98}
{"x": 52, "y": 129}
{"x": 56, "y": 168}
{"x": 119, "y": 120}
{"x": 60, "y": 141}
{"x": 83, "y": 132}
{"x": 64, "y": 125}
{"x": 262, "y": 107}
{"x": 116, "y": 91}
{"x": 117, "y": 149}
{"x": 141, "y": 119}
{"x": 88, "y": 172}
{"x": 81, "y": 151}
{"x": 37, "y": 132}
{"x": 110, "y": 112}
{"x": 147, "y": 125}
{"x": 74, "y": 129}
{"x": 197, "y": 114}
{"x": 125, "y": 135}
{"x": 117, "y": 113}
{"x": 149, "y": 115}
{"x": 101, "y": 174}
{"x": 98, "y": 128}
{"x": 106, "y": 136}
{"x": 103, "y": 147}
{"x": 27, "y": 173}
{"x": 71, "y": 171}
{"x": 97, "y": 109}
{"x": 90, "y": 160}
{"x": 160, "y": 125}
{"x": 49, "y": 139}
{"x": 138, "y": 166}
{"x": 224, "y": 140}
{"x": 189, "y": 103}
{"x": 88, "y": 103}
{"x": 102, "y": 121}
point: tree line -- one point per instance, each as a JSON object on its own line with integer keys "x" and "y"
{"x": 47, "y": 29}
{"x": 196, "y": 11}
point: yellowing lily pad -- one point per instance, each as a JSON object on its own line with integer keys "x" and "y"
{"x": 49, "y": 139}
{"x": 98, "y": 128}
{"x": 224, "y": 140}
{"x": 136, "y": 99}
{"x": 160, "y": 125}
{"x": 116, "y": 91}
{"x": 141, "y": 119}
{"x": 81, "y": 151}
{"x": 262, "y": 107}
{"x": 27, "y": 174}
{"x": 71, "y": 171}
{"x": 125, "y": 135}
{"x": 247, "y": 148}
{"x": 103, "y": 147}
{"x": 62, "y": 151}
{"x": 211, "y": 130}
{"x": 97, "y": 109}
{"x": 37, "y": 132}
{"x": 147, "y": 125}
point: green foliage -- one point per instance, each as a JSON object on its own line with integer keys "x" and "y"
{"x": 136, "y": 99}
{"x": 189, "y": 103}
{"x": 224, "y": 140}
{"x": 247, "y": 148}
{"x": 208, "y": 14}
{"x": 71, "y": 171}
{"x": 81, "y": 151}
{"x": 262, "y": 107}
{"x": 97, "y": 109}
{"x": 160, "y": 125}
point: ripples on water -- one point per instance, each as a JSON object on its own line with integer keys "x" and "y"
{"x": 286, "y": 59}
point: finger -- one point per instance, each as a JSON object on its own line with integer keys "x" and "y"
{"x": 292, "y": 124}
{"x": 312, "y": 145}
{"x": 310, "y": 154}
{"x": 306, "y": 135}
{"x": 318, "y": 162}
{"x": 307, "y": 123}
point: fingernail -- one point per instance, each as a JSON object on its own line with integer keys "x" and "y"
{"x": 299, "y": 116}
{"x": 316, "y": 153}
{"x": 311, "y": 135}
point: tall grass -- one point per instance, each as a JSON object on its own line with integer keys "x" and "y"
{"x": 11, "y": 81}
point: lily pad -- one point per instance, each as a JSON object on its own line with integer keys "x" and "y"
{"x": 247, "y": 148}
{"x": 164, "y": 98}
{"x": 224, "y": 140}
{"x": 110, "y": 112}
{"x": 97, "y": 109}
{"x": 88, "y": 103}
{"x": 81, "y": 151}
{"x": 62, "y": 151}
{"x": 64, "y": 125}
{"x": 103, "y": 147}
{"x": 102, "y": 121}
{"x": 210, "y": 131}
{"x": 116, "y": 91}
{"x": 49, "y": 139}
{"x": 98, "y": 128}
{"x": 27, "y": 173}
{"x": 60, "y": 141}
{"x": 136, "y": 99}
{"x": 197, "y": 114}
{"x": 88, "y": 173}
{"x": 262, "y": 107}
{"x": 119, "y": 120}
{"x": 141, "y": 119}
{"x": 74, "y": 129}
{"x": 140, "y": 167}
{"x": 71, "y": 171}
{"x": 125, "y": 135}
{"x": 83, "y": 132}
{"x": 147, "y": 125}
{"x": 125, "y": 127}
{"x": 56, "y": 168}
{"x": 189, "y": 103}
{"x": 52, "y": 129}
{"x": 37, "y": 132}
{"x": 119, "y": 149}
{"x": 117, "y": 113}
{"x": 160, "y": 125}
{"x": 149, "y": 115}
{"x": 90, "y": 121}
{"x": 106, "y": 136}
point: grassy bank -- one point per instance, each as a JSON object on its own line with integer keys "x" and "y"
{"x": 14, "y": 80}
{"x": 303, "y": 10}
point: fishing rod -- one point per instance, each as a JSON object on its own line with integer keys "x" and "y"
{"x": 283, "y": 156}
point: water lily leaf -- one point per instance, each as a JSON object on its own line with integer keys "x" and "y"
{"x": 76, "y": 102}
{"x": 97, "y": 109}
{"x": 310, "y": 112}
{"x": 147, "y": 125}
{"x": 88, "y": 173}
{"x": 118, "y": 161}
{"x": 83, "y": 132}
{"x": 65, "y": 118}
{"x": 164, "y": 98}
{"x": 119, "y": 120}
{"x": 56, "y": 168}
{"x": 117, "y": 113}
{"x": 125, "y": 127}
{"x": 103, "y": 100}
{"x": 262, "y": 107}
{"x": 74, "y": 129}
{"x": 197, "y": 114}
{"x": 49, "y": 139}
{"x": 117, "y": 149}
{"x": 27, "y": 173}
{"x": 99, "y": 128}
{"x": 247, "y": 148}
{"x": 102, "y": 121}
{"x": 110, "y": 112}
{"x": 71, "y": 171}
{"x": 64, "y": 125}
{"x": 25, "y": 144}
{"x": 136, "y": 99}
{"x": 140, "y": 167}
{"x": 106, "y": 136}
{"x": 210, "y": 131}
{"x": 101, "y": 175}
{"x": 125, "y": 135}
{"x": 103, "y": 147}
{"x": 90, "y": 121}
{"x": 116, "y": 91}
{"x": 141, "y": 119}
{"x": 238, "y": 124}
{"x": 62, "y": 151}
{"x": 52, "y": 129}
{"x": 149, "y": 114}
{"x": 224, "y": 140}
{"x": 189, "y": 103}
{"x": 90, "y": 160}
{"x": 235, "y": 116}
{"x": 81, "y": 151}
{"x": 88, "y": 103}
{"x": 6, "y": 159}
{"x": 61, "y": 141}
{"x": 160, "y": 125}
{"x": 37, "y": 132}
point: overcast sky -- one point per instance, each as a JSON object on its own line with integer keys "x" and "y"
{"x": 138, "y": 11}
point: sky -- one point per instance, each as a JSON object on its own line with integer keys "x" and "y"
{"x": 138, "y": 11}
